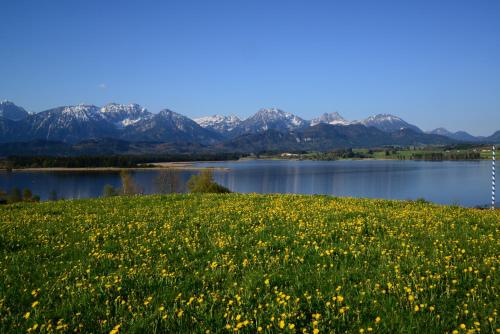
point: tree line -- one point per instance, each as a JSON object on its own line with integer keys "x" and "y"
{"x": 119, "y": 161}
{"x": 439, "y": 156}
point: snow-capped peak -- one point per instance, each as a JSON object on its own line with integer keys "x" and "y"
{"x": 274, "y": 114}
{"x": 81, "y": 112}
{"x": 120, "y": 108}
{"x": 270, "y": 119}
{"x": 80, "y": 108}
{"x": 388, "y": 123}
{"x": 123, "y": 115}
{"x": 219, "y": 123}
{"x": 332, "y": 118}
{"x": 216, "y": 119}
{"x": 382, "y": 118}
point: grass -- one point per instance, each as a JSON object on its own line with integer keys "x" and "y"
{"x": 247, "y": 263}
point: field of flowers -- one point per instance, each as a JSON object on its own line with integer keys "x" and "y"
{"x": 248, "y": 263}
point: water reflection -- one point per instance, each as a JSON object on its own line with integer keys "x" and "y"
{"x": 450, "y": 182}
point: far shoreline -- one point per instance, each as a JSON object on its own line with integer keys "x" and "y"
{"x": 150, "y": 166}
{"x": 190, "y": 165}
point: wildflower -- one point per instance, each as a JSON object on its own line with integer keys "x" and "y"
{"x": 115, "y": 329}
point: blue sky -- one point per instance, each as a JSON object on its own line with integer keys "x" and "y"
{"x": 434, "y": 63}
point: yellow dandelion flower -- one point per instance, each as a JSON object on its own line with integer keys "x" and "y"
{"x": 115, "y": 329}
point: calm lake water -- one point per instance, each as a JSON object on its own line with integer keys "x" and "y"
{"x": 449, "y": 182}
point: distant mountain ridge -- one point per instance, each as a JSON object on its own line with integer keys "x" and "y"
{"x": 459, "y": 135}
{"x": 132, "y": 123}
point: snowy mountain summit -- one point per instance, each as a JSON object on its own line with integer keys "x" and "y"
{"x": 265, "y": 119}
{"x": 219, "y": 123}
{"x": 273, "y": 118}
{"x": 332, "y": 118}
{"x": 388, "y": 123}
{"x": 81, "y": 112}
{"x": 273, "y": 114}
{"x": 122, "y": 115}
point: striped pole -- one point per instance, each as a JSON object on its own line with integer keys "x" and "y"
{"x": 493, "y": 178}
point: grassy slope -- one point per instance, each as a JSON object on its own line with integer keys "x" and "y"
{"x": 191, "y": 263}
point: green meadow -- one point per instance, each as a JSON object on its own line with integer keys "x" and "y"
{"x": 247, "y": 263}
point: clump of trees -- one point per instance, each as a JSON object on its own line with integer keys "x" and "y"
{"x": 204, "y": 183}
{"x": 168, "y": 181}
{"x": 129, "y": 186}
{"x": 110, "y": 191}
{"x": 15, "y": 195}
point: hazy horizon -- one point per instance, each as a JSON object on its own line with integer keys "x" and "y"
{"x": 434, "y": 64}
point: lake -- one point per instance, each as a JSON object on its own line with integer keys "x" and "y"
{"x": 447, "y": 182}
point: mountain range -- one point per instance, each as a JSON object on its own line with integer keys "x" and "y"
{"x": 268, "y": 129}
